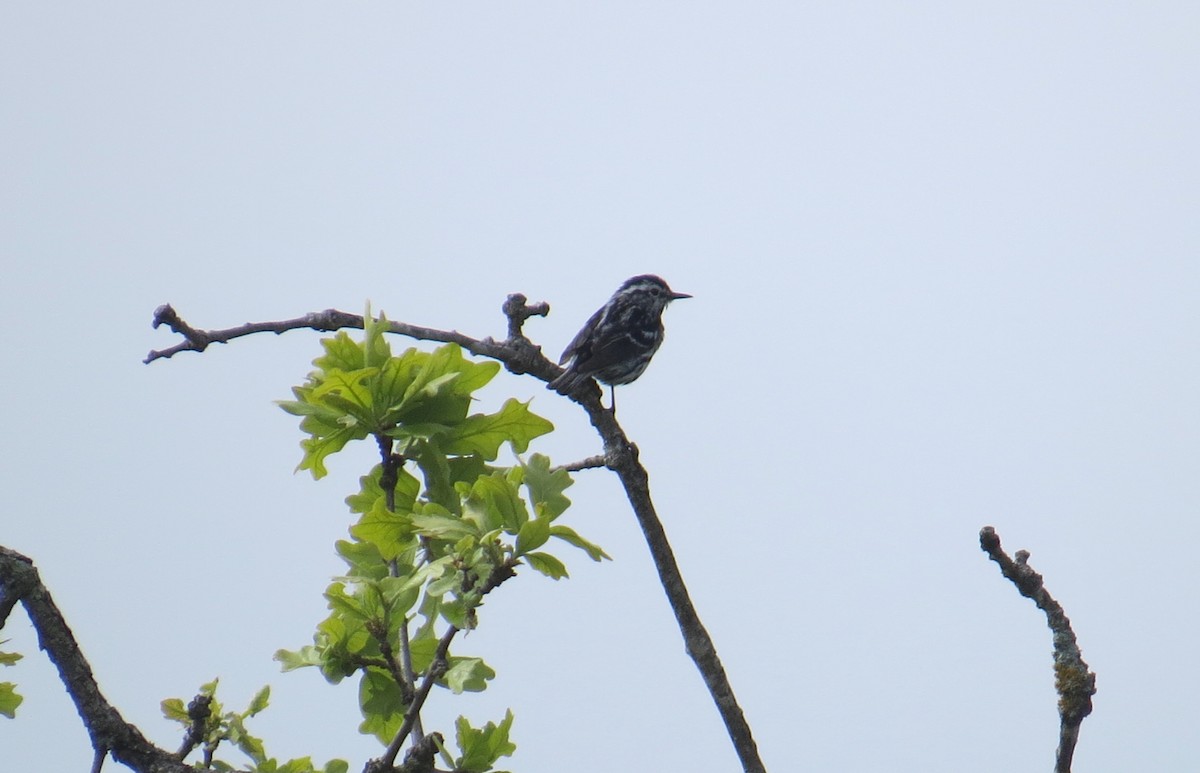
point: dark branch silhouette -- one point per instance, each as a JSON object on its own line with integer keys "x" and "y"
{"x": 109, "y": 732}
{"x": 1075, "y": 682}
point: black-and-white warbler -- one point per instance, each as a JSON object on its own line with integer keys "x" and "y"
{"x": 616, "y": 344}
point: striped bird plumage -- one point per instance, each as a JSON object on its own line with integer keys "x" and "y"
{"x": 618, "y": 341}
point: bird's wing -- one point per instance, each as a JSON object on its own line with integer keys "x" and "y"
{"x": 613, "y": 350}
{"x": 580, "y": 343}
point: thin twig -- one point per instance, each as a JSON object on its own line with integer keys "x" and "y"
{"x": 391, "y": 662}
{"x": 590, "y": 463}
{"x": 98, "y": 760}
{"x": 410, "y": 679}
{"x": 1075, "y": 682}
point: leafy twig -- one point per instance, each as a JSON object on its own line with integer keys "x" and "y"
{"x": 199, "y": 710}
{"x": 1075, "y": 682}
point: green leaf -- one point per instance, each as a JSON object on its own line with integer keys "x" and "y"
{"x": 468, "y": 674}
{"x": 337, "y": 643}
{"x": 483, "y": 434}
{"x": 533, "y": 535}
{"x": 422, "y": 648}
{"x": 370, "y": 492}
{"x": 329, "y": 428}
{"x": 495, "y": 503}
{"x": 375, "y": 345}
{"x": 345, "y": 604}
{"x": 336, "y": 766}
{"x": 447, "y": 583}
{"x": 546, "y": 486}
{"x": 9, "y": 699}
{"x": 470, "y": 376}
{"x": 567, "y": 534}
{"x": 398, "y": 595}
{"x": 439, "y": 485}
{"x": 249, "y": 745}
{"x": 300, "y": 765}
{"x": 304, "y": 657}
{"x": 466, "y": 469}
{"x": 474, "y": 375}
{"x": 547, "y": 565}
{"x": 444, "y": 527}
{"x": 363, "y": 559}
{"x": 381, "y": 703}
{"x": 341, "y": 353}
{"x": 391, "y": 533}
{"x": 457, "y": 613}
{"x": 483, "y": 747}
{"x": 258, "y": 702}
{"x": 173, "y": 708}
{"x": 347, "y": 391}
{"x": 9, "y": 658}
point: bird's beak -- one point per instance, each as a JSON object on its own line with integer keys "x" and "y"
{"x": 679, "y": 296}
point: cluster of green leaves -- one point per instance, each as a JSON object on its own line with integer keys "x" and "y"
{"x": 424, "y": 551}
{"x": 9, "y": 697}
{"x": 222, "y": 727}
{"x": 481, "y": 747}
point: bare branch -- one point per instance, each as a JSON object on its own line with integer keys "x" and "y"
{"x": 1075, "y": 682}
{"x": 590, "y": 463}
{"x": 516, "y": 352}
{"x": 109, "y": 732}
{"x": 623, "y": 459}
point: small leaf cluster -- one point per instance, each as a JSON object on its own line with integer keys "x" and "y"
{"x": 208, "y": 726}
{"x": 439, "y": 525}
{"x": 10, "y": 699}
{"x": 481, "y": 747}
{"x": 360, "y": 390}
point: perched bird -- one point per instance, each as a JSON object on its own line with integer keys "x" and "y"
{"x": 616, "y": 344}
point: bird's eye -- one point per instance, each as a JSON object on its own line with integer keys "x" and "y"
{"x": 655, "y": 291}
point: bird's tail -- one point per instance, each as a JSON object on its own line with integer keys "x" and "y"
{"x": 566, "y": 383}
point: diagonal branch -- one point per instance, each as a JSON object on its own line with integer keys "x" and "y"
{"x": 519, "y": 355}
{"x": 436, "y": 670}
{"x": 1075, "y": 682}
{"x": 109, "y": 732}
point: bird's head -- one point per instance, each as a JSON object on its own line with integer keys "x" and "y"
{"x": 650, "y": 290}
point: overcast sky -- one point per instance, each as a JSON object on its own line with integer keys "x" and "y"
{"x": 945, "y": 266}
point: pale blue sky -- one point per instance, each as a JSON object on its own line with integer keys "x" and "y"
{"x": 944, "y": 260}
